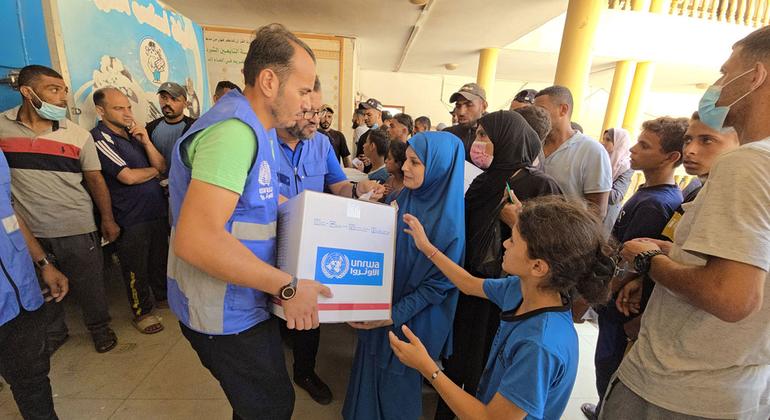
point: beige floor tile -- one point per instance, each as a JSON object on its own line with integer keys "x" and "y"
{"x": 309, "y": 410}
{"x": 179, "y": 375}
{"x": 173, "y": 410}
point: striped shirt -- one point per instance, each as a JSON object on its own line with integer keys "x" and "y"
{"x": 47, "y": 175}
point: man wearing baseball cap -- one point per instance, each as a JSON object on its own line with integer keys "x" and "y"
{"x": 337, "y": 139}
{"x": 523, "y": 99}
{"x": 165, "y": 130}
{"x": 470, "y": 104}
{"x": 373, "y": 119}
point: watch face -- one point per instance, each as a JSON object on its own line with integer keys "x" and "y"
{"x": 288, "y": 293}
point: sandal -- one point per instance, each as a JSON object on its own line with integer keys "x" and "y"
{"x": 148, "y": 324}
{"x": 104, "y": 340}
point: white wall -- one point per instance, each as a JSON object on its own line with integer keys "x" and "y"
{"x": 423, "y": 94}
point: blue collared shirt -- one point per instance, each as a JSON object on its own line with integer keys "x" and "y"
{"x": 312, "y": 165}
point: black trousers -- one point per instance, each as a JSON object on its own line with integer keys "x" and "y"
{"x": 304, "y": 345}
{"x": 143, "y": 253}
{"x": 79, "y": 257}
{"x": 251, "y": 369}
{"x": 24, "y": 364}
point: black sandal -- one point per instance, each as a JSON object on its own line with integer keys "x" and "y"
{"x": 104, "y": 340}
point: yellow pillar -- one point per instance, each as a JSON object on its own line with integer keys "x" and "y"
{"x": 621, "y": 84}
{"x": 656, "y": 6}
{"x": 643, "y": 75}
{"x": 485, "y": 76}
{"x": 574, "y": 62}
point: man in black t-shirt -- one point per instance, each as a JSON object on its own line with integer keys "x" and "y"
{"x": 337, "y": 139}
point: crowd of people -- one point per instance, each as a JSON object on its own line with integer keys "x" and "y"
{"x": 488, "y": 282}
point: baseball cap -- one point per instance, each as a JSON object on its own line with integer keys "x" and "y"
{"x": 469, "y": 91}
{"x": 173, "y": 89}
{"x": 327, "y": 107}
{"x": 526, "y": 96}
{"x": 371, "y": 103}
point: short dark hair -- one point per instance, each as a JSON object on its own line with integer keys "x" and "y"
{"x": 359, "y": 112}
{"x": 575, "y": 126}
{"x": 101, "y": 94}
{"x": 695, "y": 116}
{"x": 570, "y": 239}
{"x": 756, "y": 45}
{"x": 423, "y": 120}
{"x": 386, "y": 115}
{"x": 405, "y": 120}
{"x": 272, "y": 49}
{"x": 397, "y": 149}
{"x": 380, "y": 141}
{"x": 32, "y": 72}
{"x": 226, "y": 84}
{"x": 671, "y": 133}
{"x": 558, "y": 94}
{"x": 538, "y": 119}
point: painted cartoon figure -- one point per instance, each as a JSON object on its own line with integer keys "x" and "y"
{"x": 155, "y": 60}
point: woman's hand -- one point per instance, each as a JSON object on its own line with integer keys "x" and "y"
{"x": 413, "y": 353}
{"x": 370, "y": 325}
{"x": 417, "y": 232}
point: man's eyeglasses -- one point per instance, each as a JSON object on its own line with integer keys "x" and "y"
{"x": 311, "y": 114}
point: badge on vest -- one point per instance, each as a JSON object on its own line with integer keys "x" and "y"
{"x": 265, "y": 180}
{"x": 11, "y": 224}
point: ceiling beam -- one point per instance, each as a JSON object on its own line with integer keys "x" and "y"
{"x": 415, "y": 32}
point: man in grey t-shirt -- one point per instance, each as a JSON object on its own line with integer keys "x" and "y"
{"x": 704, "y": 346}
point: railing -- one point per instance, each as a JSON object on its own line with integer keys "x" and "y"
{"x": 754, "y": 13}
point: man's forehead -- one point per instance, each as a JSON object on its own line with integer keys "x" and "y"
{"x": 47, "y": 81}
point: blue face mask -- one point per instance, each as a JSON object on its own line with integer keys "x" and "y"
{"x": 49, "y": 111}
{"x": 708, "y": 111}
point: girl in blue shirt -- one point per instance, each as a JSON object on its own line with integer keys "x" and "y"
{"x": 556, "y": 247}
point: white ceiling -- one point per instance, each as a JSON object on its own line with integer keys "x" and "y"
{"x": 454, "y": 31}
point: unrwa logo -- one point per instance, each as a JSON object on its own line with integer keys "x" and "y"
{"x": 264, "y": 173}
{"x": 335, "y": 265}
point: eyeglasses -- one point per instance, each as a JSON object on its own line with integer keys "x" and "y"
{"x": 311, "y": 114}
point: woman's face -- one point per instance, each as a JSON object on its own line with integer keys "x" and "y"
{"x": 482, "y": 137}
{"x": 608, "y": 143}
{"x": 414, "y": 170}
{"x": 516, "y": 260}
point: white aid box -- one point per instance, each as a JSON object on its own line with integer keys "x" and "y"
{"x": 345, "y": 244}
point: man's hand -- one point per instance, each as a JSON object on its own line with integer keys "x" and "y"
{"x": 635, "y": 247}
{"x": 57, "y": 283}
{"x": 413, "y": 353}
{"x": 370, "y": 325}
{"x": 301, "y": 311}
{"x": 110, "y": 230}
{"x": 140, "y": 133}
{"x": 630, "y": 298}
{"x": 377, "y": 189}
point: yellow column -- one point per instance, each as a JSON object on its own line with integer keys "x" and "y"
{"x": 639, "y": 88}
{"x": 485, "y": 76}
{"x": 574, "y": 62}
{"x": 621, "y": 84}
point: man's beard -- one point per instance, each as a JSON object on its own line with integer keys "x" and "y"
{"x": 355, "y": 125}
{"x": 325, "y": 126}
{"x": 298, "y": 132}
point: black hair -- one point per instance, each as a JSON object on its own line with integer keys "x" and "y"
{"x": 671, "y": 132}
{"x": 424, "y": 121}
{"x": 397, "y": 149}
{"x": 385, "y": 115}
{"x": 317, "y": 85}
{"x": 756, "y": 45}
{"x": 538, "y": 119}
{"x": 575, "y": 126}
{"x": 226, "y": 84}
{"x": 559, "y": 95}
{"x": 380, "y": 140}
{"x": 272, "y": 48}
{"x": 29, "y": 74}
{"x": 406, "y": 121}
{"x": 570, "y": 239}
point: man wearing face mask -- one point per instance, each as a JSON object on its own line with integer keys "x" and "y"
{"x": 470, "y": 104}
{"x": 308, "y": 162}
{"x": 702, "y": 349}
{"x": 54, "y": 167}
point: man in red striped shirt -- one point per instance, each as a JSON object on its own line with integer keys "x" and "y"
{"x": 50, "y": 158}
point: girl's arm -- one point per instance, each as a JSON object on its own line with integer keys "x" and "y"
{"x": 467, "y": 283}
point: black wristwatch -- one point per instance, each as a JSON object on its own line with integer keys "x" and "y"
{"x": 41, "y": 263}
{"x": 643, "y": 260}
{"x": 288, "y": 291}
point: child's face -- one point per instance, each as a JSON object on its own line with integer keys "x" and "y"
{"x": 516, "y": 260}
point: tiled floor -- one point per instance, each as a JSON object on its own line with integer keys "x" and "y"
{"x": 159, "y": 376}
